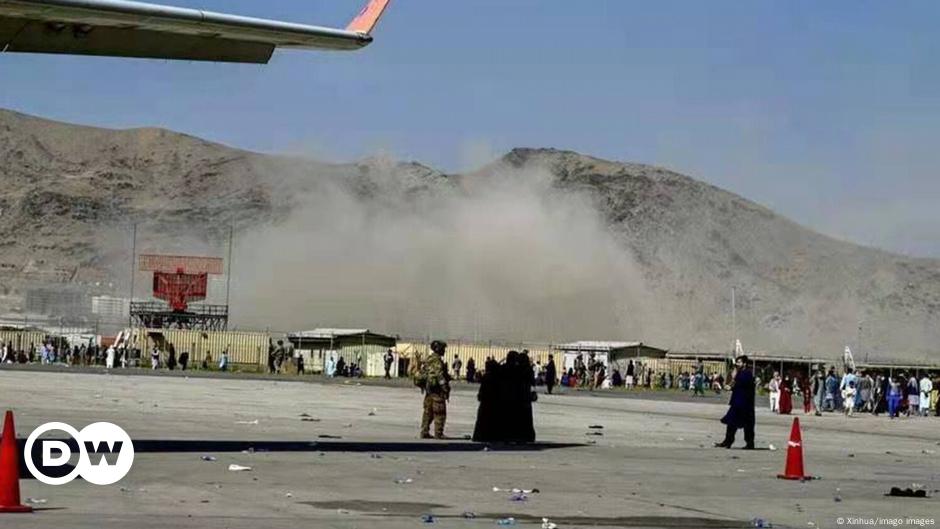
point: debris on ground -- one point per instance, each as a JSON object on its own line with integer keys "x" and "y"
{"x": 516, "y": 490}
{"x": 347, "y": 425}
{"x": 761, "y": 523}
{"x": 595, "y": 427}
{"x": 595, "y": 433}
{"x": 898, "y": 492}
{"x": 518, "y": 497}
{"x": 309, "y": 419}
{"x": 289, "y": 495}
{"x": 506, "y": 521}
{"x": 238, "y": 468}
{"x": 469, "y": 515}
{"x": 772, "y": 448}
{"x": 838, "y": 497}
{"x": 403, "y": 481}
{"x": 208, "y": 458}
{"x": 247, "y": 422}
{"x": 375, "y": 456}
{"x": 325, "y": 436}
{"x": 427, "y": 518}
{"x": 373, "y": 412}
{"x": 36, "y": 501}
{"x": 547, "y": 524}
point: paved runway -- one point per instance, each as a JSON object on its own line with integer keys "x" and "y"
{"x": 652, "y": 467}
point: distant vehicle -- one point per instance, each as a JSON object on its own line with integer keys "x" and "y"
{"x": 123, "y": 28}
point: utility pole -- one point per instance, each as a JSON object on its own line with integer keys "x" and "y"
{"x": 130, "y": 299}
{"x": 734, "y": 321}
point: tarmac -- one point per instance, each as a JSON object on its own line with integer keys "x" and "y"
{"x": 356, "y": 461}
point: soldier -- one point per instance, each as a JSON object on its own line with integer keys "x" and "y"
{"x": 435, "y": 384}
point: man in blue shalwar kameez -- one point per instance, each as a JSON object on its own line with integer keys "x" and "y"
{"x": 741, "y": 411}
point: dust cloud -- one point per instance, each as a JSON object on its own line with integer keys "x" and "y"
{"x": 502, "y": 256}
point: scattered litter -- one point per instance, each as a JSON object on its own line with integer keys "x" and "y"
{"x": 469, "y": 515}
{"x": 36, "y": 501}
{"x": 506, "y": 521}
{"x": 208, "y": 458}
{"x": 741, "y": 470}
{"x": 305, "y": 414}
{"x": 403, "y": 481}
{"x": 247, "y": 422}
{"x": 928, "y": 451}
{"x": 592, "y": 442}
{"x": 238, "y": 468}
{"x": 772, "y": 448}
{"x": 375, "y": 456}
{"x": 347, "y": 425}
{"x": 546, "y": 524}
{"x": 595, "y": 427}
{"x": 325, "y": 436}
{"x": 851, "y": 455}
{"x": 289, "y": 495}
{"x": 838, "y": 496}
{"x": 342, "y": 511}
{"x": 761, "y": 523}
{"x": 518, "y": 497}
{"x": 427, "y": 518}
{"x": 679, "y": 439}
{"x": 906, "y": 493}
{"x": 309, "y": 419}
{"x": 203, "y": 501}
{"x": 516, "y": 490}
{"x": 250, "y": 450}
{"x": 97, "y": 395}
{"x": 595, "y": 433}
{"x": 373, "y": 412}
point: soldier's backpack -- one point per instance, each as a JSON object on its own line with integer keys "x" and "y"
{"x": 417, "y": 369}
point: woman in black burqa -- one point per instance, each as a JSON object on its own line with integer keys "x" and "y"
{"x": 505, "y": 411}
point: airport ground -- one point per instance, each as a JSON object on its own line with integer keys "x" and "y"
{"x": 653, "y": 465}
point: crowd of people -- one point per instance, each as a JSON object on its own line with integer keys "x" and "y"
{"x": 900, "y": 394}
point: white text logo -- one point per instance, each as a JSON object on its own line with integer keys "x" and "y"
{"x": 105, "y": 454}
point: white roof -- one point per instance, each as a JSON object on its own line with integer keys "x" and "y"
{"x": 328, "y": 333}
{"x": 588, "y": 345}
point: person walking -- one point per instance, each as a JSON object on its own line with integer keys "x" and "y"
{"x": 848, "y": 389}
{"x": 926, "y": 387}
{"x": 894, "y": 397}
{"x": 435, "y": 384}
{"x": 109, "y": 363}
{"x": 154, "y": 358}
{"x": 551, "y": 374}
{"x": 471, "y": 370}
{"x": 774, "y": 388}
{"x": 741, "y": 407}
{"x": 457, "y": 365}
{"x": 223, "y": 360}
{"x": 389, "y": 360}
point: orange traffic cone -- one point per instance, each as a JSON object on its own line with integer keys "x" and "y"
{"x": 10, "y": 469}
{"x": 794, "y": 468}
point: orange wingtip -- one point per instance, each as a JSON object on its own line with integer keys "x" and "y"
{"x": 366, "y": 20}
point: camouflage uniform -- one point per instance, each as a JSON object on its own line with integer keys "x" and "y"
{"x": 436, "y": 390}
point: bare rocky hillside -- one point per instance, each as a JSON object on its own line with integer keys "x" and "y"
{"x": 70, "y": 193}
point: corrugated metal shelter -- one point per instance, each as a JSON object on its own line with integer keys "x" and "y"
{"x": 21, "y": 338}
{"x": 611, "y": 354}
{"x": 477, "y": 351}
{"x": 245, "y": 348}
{"x": 360, "y": 346}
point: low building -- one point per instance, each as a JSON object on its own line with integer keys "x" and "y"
{"x": 614, "y": 355}
{"x": 360, "y": 346}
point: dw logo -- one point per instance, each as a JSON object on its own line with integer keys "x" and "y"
{"x": 105, "y": 454}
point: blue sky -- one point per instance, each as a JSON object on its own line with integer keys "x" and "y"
{"x": 828, "y": 112}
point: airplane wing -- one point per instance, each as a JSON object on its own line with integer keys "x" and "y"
{"x": 124, "y": 28}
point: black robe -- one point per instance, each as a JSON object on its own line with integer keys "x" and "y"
{"x": 741, "y": 410}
